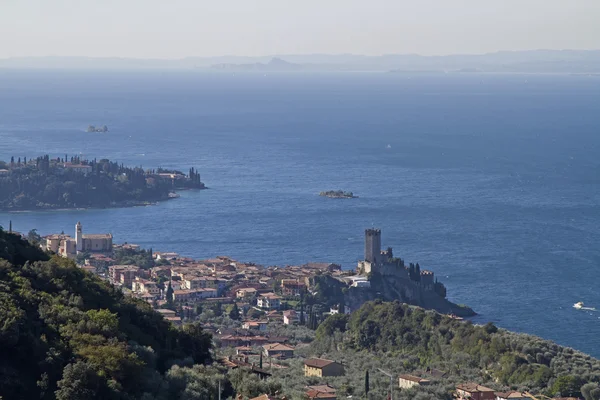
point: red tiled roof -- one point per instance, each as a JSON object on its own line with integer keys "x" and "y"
{"x": 473, "y": 388}
{"x": 314, "y": 394}
{"x": 413, "y": 378}
{"x": 317, "y": 362}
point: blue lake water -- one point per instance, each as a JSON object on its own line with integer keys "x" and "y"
{"x": 491, "y": 181}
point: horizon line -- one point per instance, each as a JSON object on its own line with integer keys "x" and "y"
{"x": 298, "y": 54}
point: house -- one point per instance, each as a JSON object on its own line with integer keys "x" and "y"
{"x": 257, "y": 325}
{"x": 321, "y": 392}
{"x": 290, "y": 317}
{"x": 474, "y": 391}
{"x": 316, "y": 395}
{"x": 245, "y": 293}
{"x": 322, "y": 388}
{"x": 292, "y": 287}
{"x": 320, "y": 367}
{"x": 174, "y": 319}
{"x": 269, "y": 397}
{"x": 243, "y": 350}
{"x": 269, "y": 301}
{"x": 436, "y": 373}
{"x": 84, "y": 169}
{"x": 409, "y": 381}
{"x": 192, "y": 295}
{"x": 321, "y": 266}
{"x": 511, "y": 396}
{"x": 278, "y": 350}
{"x": 166, "y": 312}
{"x": 144, "y": 286}
{"x": 165, "y": 256}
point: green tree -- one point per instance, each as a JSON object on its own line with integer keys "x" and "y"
{"x": 80, "y": 382}
{"x": 590, "y": 391}
{"x": 234, "y": 313}
{"x": 197, "y": 343}
{"x": 567, "y": 385}
{"x": 302, "y": 321}
{"x": 34, "y": 237}
{"x": 170, "y": 295}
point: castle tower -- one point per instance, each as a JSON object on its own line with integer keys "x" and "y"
{"x": 78, "y": 237}
{"x": 373, "y": 245}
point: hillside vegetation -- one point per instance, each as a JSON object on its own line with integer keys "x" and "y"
{"x": 65, "y": 334}
{"x": 406, "y": 339}
{"x": 44, "y": 183}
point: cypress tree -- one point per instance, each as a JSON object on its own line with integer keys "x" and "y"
{"x": 302, "y": 321}
{"x": 169, "y": 294}
{"x": 234, "y": 313}
{"x": 367, "y": 383}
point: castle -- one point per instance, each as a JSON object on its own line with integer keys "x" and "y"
{"x": 66, "y": 246}
{"x": 384, "y": 263}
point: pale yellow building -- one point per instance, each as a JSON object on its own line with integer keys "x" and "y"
{"x": 409, "y": 381}
{"x": 320, "y": 367}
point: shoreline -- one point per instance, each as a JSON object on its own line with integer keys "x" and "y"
{"x": 120, "y": 205}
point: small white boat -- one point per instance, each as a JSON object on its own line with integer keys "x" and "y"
{"x": 578, "y": 305}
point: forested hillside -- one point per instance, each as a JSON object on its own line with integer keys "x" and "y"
{"x": 65, "y": 334}
{"x": 406, "y": 339}
{"x": 44, "y": 183}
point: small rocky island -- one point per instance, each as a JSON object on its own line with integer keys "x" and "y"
{"x": 92, "y": 128}
{"x": 338, "y": 194}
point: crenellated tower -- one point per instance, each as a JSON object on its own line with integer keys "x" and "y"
{"x": 373, "y": 245}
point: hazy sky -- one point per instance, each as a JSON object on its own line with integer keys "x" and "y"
{"x": 180, "y": 28}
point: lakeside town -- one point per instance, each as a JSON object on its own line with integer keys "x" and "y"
{"x": 262, "y": 319}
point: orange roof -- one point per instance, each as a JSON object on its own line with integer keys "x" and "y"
{"x": 473, "y": 388}
{"x": 314, "y": 394}
{"x": 270, "y": 296}
{"x": 413, "y": 378}
{"x": 322, "y": 388}
{"x": 317, "y": 362}
{"x": 278, "y": 347}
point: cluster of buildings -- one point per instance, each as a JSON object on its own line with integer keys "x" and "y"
{"x": 267, "y": 290}
{"x": 66, "y": 246}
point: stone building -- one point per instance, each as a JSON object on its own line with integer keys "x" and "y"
{"x": 66, "y": 246}
{"x": 373, "y": 246}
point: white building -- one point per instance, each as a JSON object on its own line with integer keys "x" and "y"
{"x": 269, "y": 301}
{"x": 290, "y": 317}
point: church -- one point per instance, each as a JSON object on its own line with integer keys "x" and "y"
{"x": 66, "y": 246}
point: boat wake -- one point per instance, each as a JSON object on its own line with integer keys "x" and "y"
{"x": 580, "y": 306}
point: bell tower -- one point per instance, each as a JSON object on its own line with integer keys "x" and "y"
{"x": 78, "y": 237}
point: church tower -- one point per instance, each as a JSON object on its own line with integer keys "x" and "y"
{"x": 78, "y": 237}
{"x": 373, "y": 245}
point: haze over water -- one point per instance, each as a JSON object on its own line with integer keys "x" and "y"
{"x": 491, "y": 181}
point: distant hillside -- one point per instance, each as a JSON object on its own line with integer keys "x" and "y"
{"x": 276, "y": 64}
{"x": 532, "y": 61}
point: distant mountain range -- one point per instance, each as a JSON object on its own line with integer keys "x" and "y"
{"x": 534, "y": 61}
